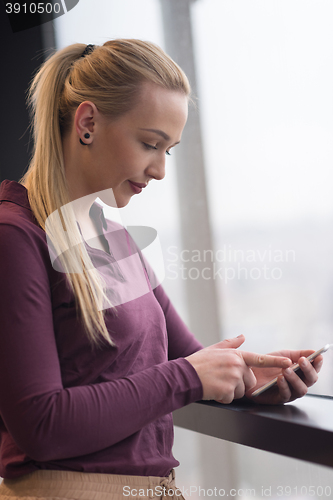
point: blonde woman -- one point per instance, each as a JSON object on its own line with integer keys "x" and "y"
{"x": 87, "y": 390}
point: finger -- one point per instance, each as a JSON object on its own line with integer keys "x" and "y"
{"x": 249, "y": 379}
{"x": 227, "y": 398}
{"x": 318, "y": 363}
{"x": 310, "y": 376}
{"x": 265, "y": 360}
{"x": 297, "y": 384}
{"x": 295, "y": 355}
{"x": 232, "y": 343}
{"x": 239, "y": 390}
{"x": 284, "y": 389}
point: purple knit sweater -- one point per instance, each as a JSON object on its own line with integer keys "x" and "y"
{"x": 63, "y": 404}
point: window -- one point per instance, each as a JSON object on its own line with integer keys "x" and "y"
{"x": 265, "y": 95}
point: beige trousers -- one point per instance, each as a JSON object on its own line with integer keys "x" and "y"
{"x": 66, "y": 485}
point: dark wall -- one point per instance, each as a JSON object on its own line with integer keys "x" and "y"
{"x": 21, "y": 54}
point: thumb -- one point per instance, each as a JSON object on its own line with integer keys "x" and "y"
{"x": 233, "y": 343}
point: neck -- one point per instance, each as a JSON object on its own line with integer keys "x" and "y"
{"x": 75, "y": 163}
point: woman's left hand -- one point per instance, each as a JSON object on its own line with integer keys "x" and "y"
{"x": 290, "y": 385}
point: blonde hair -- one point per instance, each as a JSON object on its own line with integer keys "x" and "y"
{"x": 111, "y": 77}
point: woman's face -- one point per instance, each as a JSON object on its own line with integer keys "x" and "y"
{"x": 126, "y": 153}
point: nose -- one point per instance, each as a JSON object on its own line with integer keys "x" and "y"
{"x": 156, "y": 169}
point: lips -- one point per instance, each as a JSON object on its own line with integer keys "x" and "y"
{"x": 137, "y": 186}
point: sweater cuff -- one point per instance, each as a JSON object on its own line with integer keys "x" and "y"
{"x": 192, "y": 380}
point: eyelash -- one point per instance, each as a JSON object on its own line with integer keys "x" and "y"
{"x": 149, "y": 146}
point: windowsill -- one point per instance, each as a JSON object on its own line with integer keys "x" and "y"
{"x": 302, "y": 429}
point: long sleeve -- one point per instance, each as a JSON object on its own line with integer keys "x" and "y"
{"x": 182, "y": 342}
{"x": 46, "y": 420}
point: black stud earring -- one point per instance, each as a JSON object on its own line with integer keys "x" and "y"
{"x": 87, "y": 137}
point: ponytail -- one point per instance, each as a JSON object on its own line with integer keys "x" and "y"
{"x": 48, "y": 190}
{"x": 110, "y": 76}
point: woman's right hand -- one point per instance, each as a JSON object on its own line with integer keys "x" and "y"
{"x": 225, "y": 372}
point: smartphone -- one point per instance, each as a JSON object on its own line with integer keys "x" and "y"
{"x": 295, "y": 368}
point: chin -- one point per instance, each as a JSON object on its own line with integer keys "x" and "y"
{"x": 122, "y": 202}
{"x": 115, "y": 200}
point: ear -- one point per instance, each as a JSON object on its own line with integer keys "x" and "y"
{"x": 85, "y": 120}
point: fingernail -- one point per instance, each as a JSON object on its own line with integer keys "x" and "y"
{"x": 288, "y": 371}
{"x": 238, "y": 336}
{"x": 286, "y": 363}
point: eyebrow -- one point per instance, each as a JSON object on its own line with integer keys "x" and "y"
{"x": 157, "y": 131}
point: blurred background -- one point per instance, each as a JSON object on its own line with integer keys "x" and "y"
{"x": 245, "y": 212}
